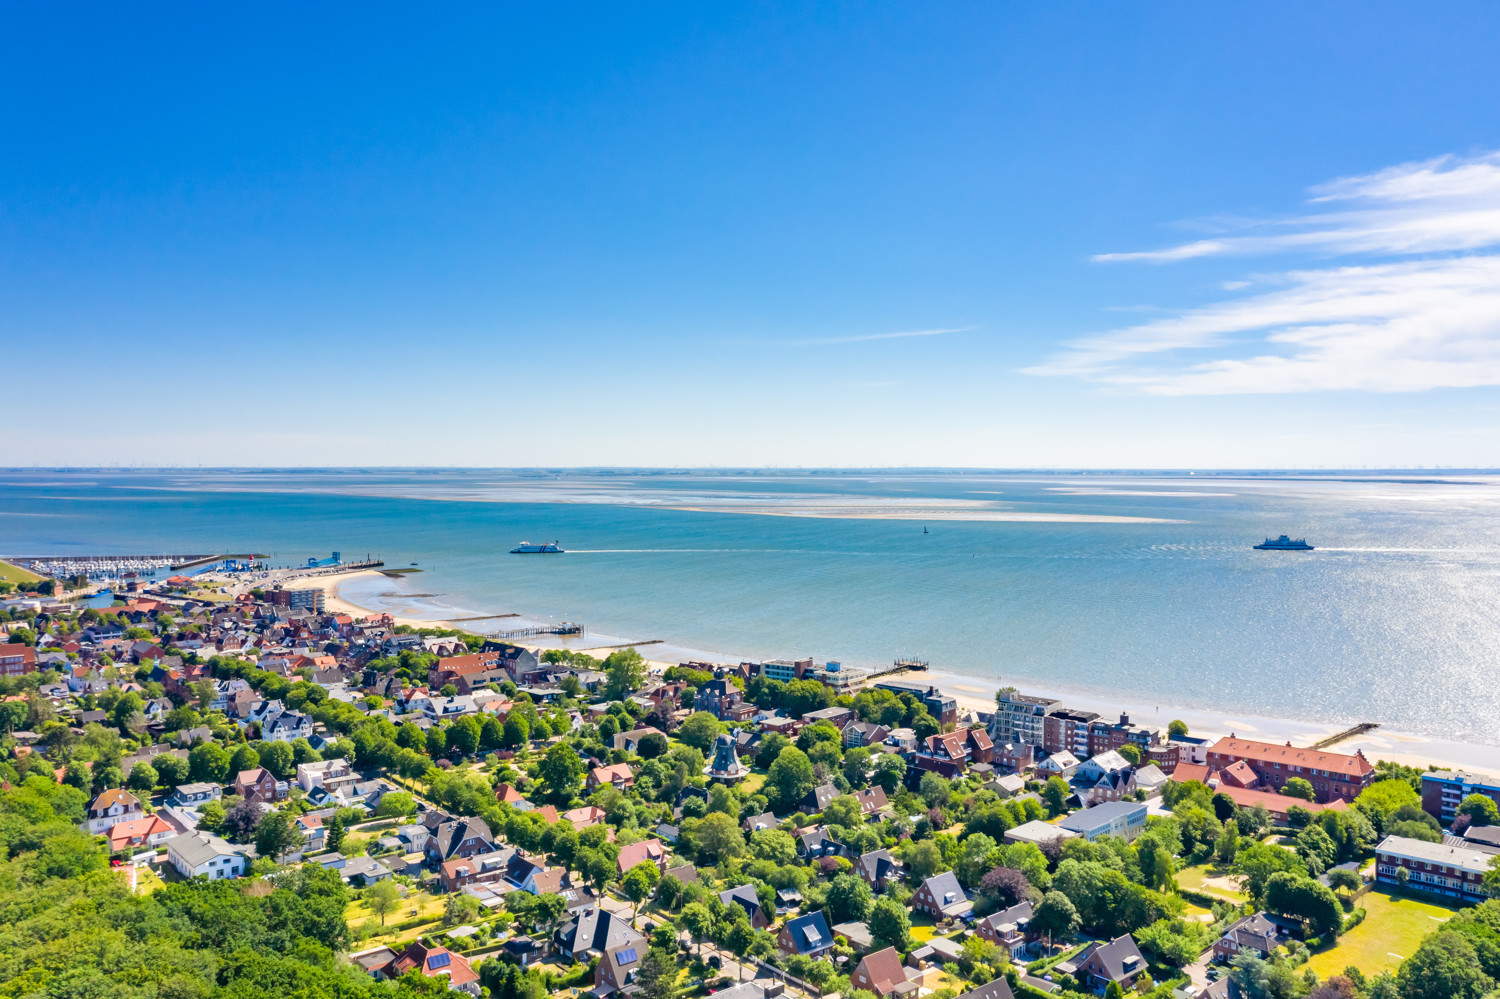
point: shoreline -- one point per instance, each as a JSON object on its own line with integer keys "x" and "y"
{"x": 977, "y": 693}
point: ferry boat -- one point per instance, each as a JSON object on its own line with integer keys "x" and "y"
{"x": 1283, "y": 544}
{"x": 527, "y": 548}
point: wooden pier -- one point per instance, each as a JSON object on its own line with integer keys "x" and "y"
{"x": 566, "y": 628}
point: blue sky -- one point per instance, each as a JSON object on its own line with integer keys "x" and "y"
{"x": 1155, "y": 235}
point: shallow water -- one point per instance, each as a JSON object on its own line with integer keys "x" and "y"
{"x": 1395, "y": 618}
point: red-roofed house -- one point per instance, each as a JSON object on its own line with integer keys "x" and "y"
{"x": 148, "y": 831}
{"x": 16, "y": 659}
{"x": 1332, "y": 775}
{"x": 882, "y": 973}
{"x": 620, "y": 776}
{"x": 647, "y": 850}
{"x": 433, "y": 962}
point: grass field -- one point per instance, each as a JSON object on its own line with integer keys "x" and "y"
{"x": 1197, "y": 878}
{"x": 429, "y": 907}
{"x": 15, "y": 574}
{"x": 1392, "y": 929}
{"x": 922, "y": 928}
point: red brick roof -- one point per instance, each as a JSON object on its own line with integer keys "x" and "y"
{"x": 1354, "y": 767}
{"x": 879, "y": 972}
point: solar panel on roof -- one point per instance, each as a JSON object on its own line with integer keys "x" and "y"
{"x": 626, "y": 956}
{"x": 439, "y": 960}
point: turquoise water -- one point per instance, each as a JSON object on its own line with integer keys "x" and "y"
{"x": 1396, "y": 618}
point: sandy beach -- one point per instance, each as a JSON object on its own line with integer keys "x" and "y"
{"x": 977, "y": 693}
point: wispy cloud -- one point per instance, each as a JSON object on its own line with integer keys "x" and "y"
{"x": 1384, "y": 325}
{"x": 864, "y": 337}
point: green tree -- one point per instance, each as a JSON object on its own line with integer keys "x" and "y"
{"x": 382, "y": 897}
{"x": 857, "y": 767}
{"x": 396, "y": 804}
{"x": 656, "y": 975}
{"x": 922, "y": 857}
{"x": 844, "y": 811}
{"x": 718, "y": 837}
{"x": 774, "y": 846}
{"x": 1445, "y": 966}
{"x": 700, "y": 730}
{"x": 208, "y": 762}
{"x": 1055, "y": 794}
{"x": 334, "y": 839}
{"x": 770, "y": 747}
{"x": 1055, "y": 916}
{"x": 789, "y": 779}
{"x": 799, "y": 697}
{"x": 518, "y": 732}
{"x": 142, "y": 777}
{"x": 1132, "y": 754}
{"x": 463, "y": 735}
{"x": 638, "y": 884}
{"x": 1296, "y": 787}
{"x": 277, "y": 758}
{"x": 652, "y": 745}
{"x": 1480, "y": 809}
{"x": 170, "y": 770}
{"x": 625, "y": 671}
{"x": 890, "y": 924}
{"x": 561, "y": 770}
{"x": 935, "y": 790}
{"x": 244, "y": 758}
{"x": 698, "y": 921}
{"x": 890, "y": 772}
{"x": 849, "y": 899}
{"x": 1177, "y": 728}
{"x": 275, "y": 836}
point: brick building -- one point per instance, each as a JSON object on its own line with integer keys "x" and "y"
{"x": 1332, "y": 775}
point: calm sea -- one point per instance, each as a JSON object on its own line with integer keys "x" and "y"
{"x": 1395, "y": 618}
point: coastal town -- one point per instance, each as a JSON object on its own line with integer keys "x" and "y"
{"x": 243, "y": 790}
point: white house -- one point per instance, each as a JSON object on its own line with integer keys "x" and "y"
{"x": 324, "y": 773}
{"x": 437, "y": 708}
{"x": 289, "y": 726}
{"x": 199, "y": 853}
{"x": 112, "y": 807}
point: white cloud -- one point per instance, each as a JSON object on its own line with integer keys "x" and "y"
{"x": 1391, "y": 325}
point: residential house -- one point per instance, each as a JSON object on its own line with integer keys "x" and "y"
{"x": 110, "y": 808}
{"x": 1125, "y": 819}
{"x": 1107, "y": 776}
{"x": 998, "y": 989}
{"x": 630, "y": 741}
{"x": 651, "y": 850}
{"x": 724, "y": 701}
{"x": 149, "y": 831}
{"x": 325, "y": 774}
{"x": 289, "y": 726}
{"x": 883, "y": 974}
{"x": 202, "y": 854}
{"x": 582, "y": 818}
{"x": 862, "y": 733}
{"x": 260, "y": 785}
{"x": 194, "y": 795}
{"x": 942, "y": 897}
{"x": 879, "y": 868}
{"x": 465, "y": 837}
{"x": 1254, "y": 934}
{"x": 755, "y": 823}
{"x": 872, "y": 800}
{"x": 1119, "y": 961}
{"x": 745, "y": 897}
{"x": 1008, "y": 929}
{"x": 835, "y": 716}
{"x": 597, "y": 932}
{"x": 807, "y": 935}
{"x": 433, "y": 962}
{"x": 818, "y": 798}
{"x": 1063, "y": 764}
{"x": 816, "y": 843}
{"x": 619, "y": 776}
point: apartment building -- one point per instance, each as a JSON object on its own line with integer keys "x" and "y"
{"x": 1022, "y": 718}
{"x": 1454, "y": 871}
{"x": 1442, "y": 790}
{"x": 1332, "y": 775}
{"x": 1066, "y": 729}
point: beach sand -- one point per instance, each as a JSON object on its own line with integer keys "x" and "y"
{"x": 978, "y": 693}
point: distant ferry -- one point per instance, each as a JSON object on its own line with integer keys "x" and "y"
{"x": 1284, "y": 544}
{"x": 527, "y": 548}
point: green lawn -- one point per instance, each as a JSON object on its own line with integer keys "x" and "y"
{"x": 1195, "y": 878}
{"x": 922, "y": 928}
{"x": 1392, "y": 929}
{"x": 15, "y": 574}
